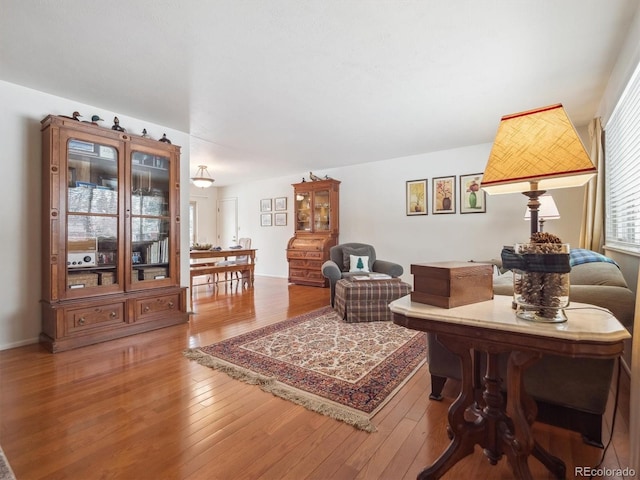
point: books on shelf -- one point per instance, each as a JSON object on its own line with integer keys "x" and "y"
{"x": 157, "y": 252}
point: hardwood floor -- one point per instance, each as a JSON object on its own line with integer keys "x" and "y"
{"x": 135, "y": 408}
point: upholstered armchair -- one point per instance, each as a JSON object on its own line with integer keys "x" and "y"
{"x": 364, "y": 259}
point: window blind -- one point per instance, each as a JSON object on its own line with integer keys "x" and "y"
{"x": 622, "y": 170}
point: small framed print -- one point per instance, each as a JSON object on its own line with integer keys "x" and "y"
{"x": 417, "y": 197}
{"x": 280, "y": 204}
{"x": 265, "y": 220}
{"x": 279, "y": 219}
{"x": 265, "y": 205}
{"x": 444, "y": 195}
{"x": 472, "y": 199}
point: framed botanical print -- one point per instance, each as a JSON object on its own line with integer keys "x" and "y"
{"x": 416, "y": 197}
{"x": 266, "y": 220}
{"x": 472, "y": 199}
{"x": 444, "y": 195}
{"x": 280, "y": 219}
{"x": 280, "y": 203}
{"x": 265, "y": 205}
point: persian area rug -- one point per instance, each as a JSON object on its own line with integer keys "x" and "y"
{"x": 347, "y": 371}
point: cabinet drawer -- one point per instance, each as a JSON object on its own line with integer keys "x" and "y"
{"x": 149, "y": 308}
{"x": 306, "y": 274}
{"x": 306, "y": 264}
{"x": 298, "y": 273}
{"x": 311, "y": 254}
{"x": 89, "y": 318}
{"x": 315, "y": 275}
{"x": 307, "y": 277}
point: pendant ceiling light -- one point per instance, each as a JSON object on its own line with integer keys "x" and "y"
{"x": 202, "y": 178}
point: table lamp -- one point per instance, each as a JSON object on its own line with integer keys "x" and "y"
{"x": 535, "y": 151}
{"x": 547, "y": 211}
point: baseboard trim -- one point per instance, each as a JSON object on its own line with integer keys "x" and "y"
{"x": 20, "y": 343}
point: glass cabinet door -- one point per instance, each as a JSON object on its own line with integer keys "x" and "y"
{"x": 322, "y": 210}
{"x": 150, "y": 217}
{"x": 92, "y": 215}
{"x": 303, "y": 211}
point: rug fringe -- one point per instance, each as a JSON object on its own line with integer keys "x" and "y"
{"x": 294, "y": 395}
{"x": 234, "y": 371}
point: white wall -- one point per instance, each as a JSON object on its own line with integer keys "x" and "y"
{"x": 20, "y": 157}
{"x": 372, "y": 210}
{"x": 626, "y": 63}
{"x": 271, "y": 242}
{"x": 206, "y": 211}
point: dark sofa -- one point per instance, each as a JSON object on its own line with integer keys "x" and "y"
{"x": 570, "y": 393}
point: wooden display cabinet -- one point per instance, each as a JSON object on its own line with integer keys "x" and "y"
{"x": 110, "y": 243}
{"x": 317, "y": 221}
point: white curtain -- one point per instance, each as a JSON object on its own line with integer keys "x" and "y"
{"x": 592, "y": 228}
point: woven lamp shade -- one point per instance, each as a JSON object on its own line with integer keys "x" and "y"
{"x": 539, "y": 146}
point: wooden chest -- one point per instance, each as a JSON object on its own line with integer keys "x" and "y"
{"x": 452, "y": 284}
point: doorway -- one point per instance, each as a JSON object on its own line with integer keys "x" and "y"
{"x": 227, "y": 222}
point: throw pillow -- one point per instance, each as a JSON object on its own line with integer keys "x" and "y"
{"x": 346, "y": 256}
{"x": 578, "y": 256}
{"x": 496, "y": 272}
{"x": 359, "y": 264}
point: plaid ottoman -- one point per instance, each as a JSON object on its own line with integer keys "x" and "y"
{"x": 368, "y": 300}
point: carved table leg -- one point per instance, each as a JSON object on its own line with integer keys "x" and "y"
{"x": 493, "y": 411}
{"x": 521, "y": 408}
{"x": 498, "y": 430}
{"x": 464, "y": 434}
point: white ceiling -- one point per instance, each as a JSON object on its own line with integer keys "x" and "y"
{"x": 268, "y": 88}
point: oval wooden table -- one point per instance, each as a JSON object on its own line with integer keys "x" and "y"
{"x": 492, "y": 328}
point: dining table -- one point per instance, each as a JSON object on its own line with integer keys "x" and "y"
{"x": 212, "y": 256}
